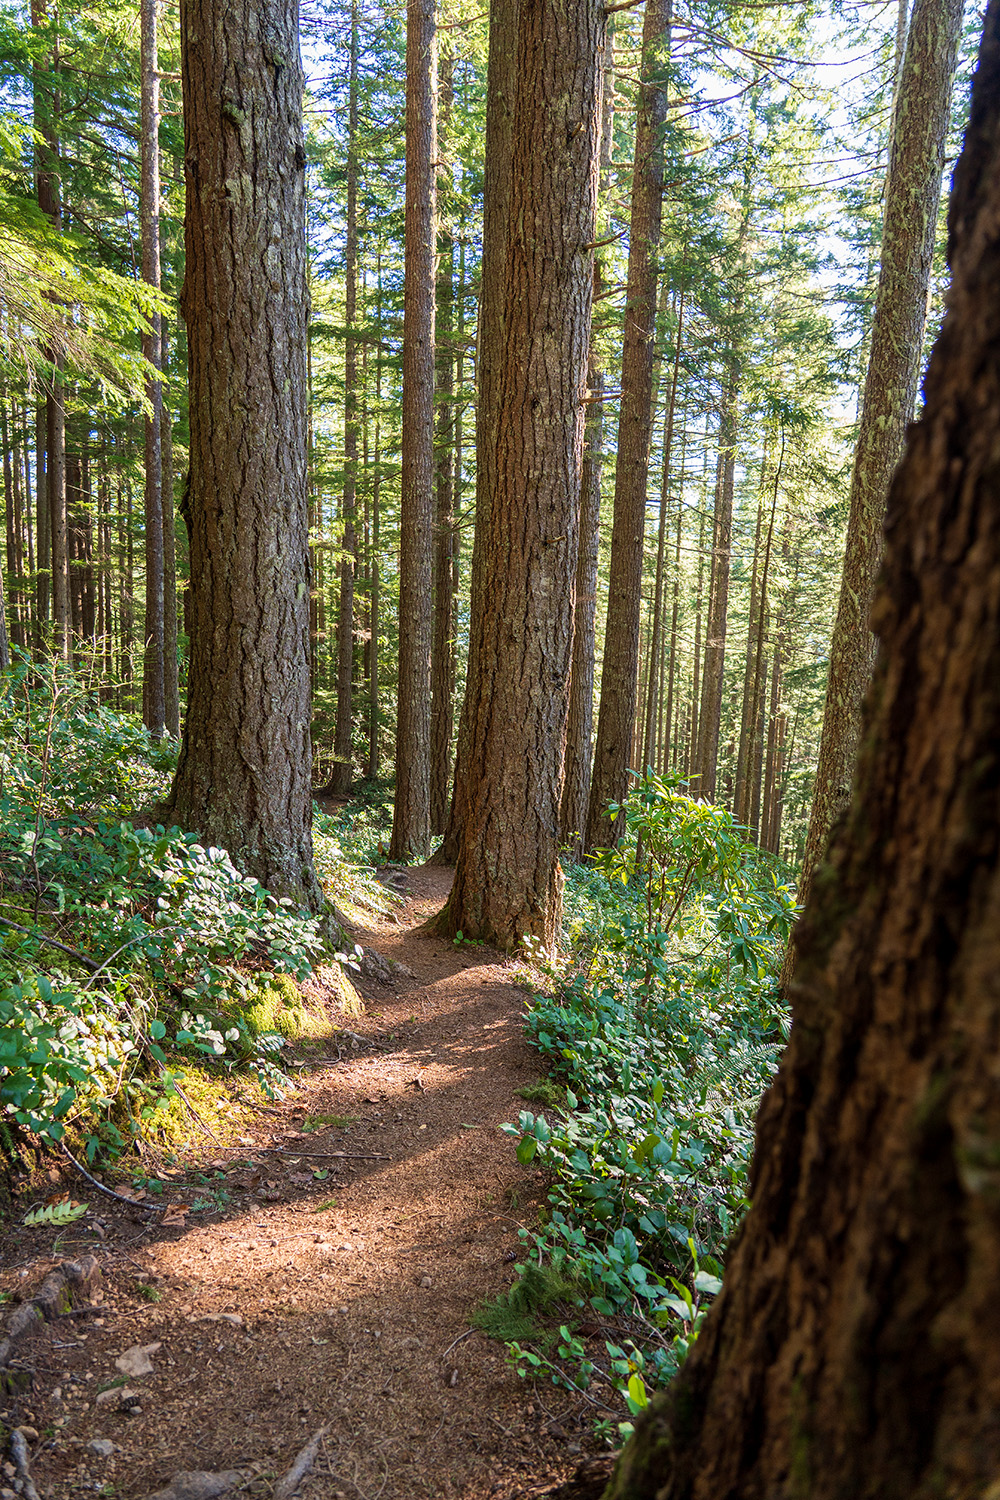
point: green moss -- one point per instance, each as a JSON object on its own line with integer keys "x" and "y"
{"x": 543, "y": 1092}
{"x": 274, "y": 1003}
{"x": 318, "y": 1122}
{"x": 208, "y": 1095}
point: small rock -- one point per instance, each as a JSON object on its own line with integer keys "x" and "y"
{"x": 136, "y": 1361}
{"x": 573, "y": 1448}
{"x": 115, "y": 1393}
{"x": 9, "y": 1470}
{"x": 29, "y": 1434}
{"x": 425, "y": 1282}
{"x": 7, "y": 1494}
{"x": 103, "y": 1447}
{"x": 133, "y": 1411}
{"x": 199, "y": 1485}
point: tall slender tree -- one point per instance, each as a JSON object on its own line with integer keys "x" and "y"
{"x": 619, "y": 674}
{"x": 501, "y": 82}
{"x": 411, "y": 816}
{"x": 154, "y": 710}
{"x": 340, "y": 776}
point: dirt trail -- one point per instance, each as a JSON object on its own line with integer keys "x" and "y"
{"x": 343, "y": 1300}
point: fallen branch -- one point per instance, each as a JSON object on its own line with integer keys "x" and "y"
{"x": 286, "y": 1487}
{"x": 43, "y": 937}
{"x": 452, "y": 1345}
{"x": 331, "y": 1155}
{"x": 151, "y": 1208}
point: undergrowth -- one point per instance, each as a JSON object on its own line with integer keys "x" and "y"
{"x": 662, "y": 1029}
{"x": 127, "y": 952}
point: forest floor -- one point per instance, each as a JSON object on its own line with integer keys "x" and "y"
{"x": 339, "y": 1302}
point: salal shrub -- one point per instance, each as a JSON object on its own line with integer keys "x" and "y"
{"x": 120, "y": 945}
{"x": 665, "y": 1032}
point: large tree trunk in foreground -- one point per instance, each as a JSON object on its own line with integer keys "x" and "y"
{"x": 913, "y": 189}
{"x": 508, "y": 884}
{"x": 244, "y": 772}
{"x": 855, "y": 1348}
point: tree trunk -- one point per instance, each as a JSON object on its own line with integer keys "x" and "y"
{"x": 710, "y": 717}
{"x": 8, "y": 501}
{"x": 411, "y": 814}
{"x": 340, "y": 775}
{"x": 616, "y": 712}
{"x": 55, "y": 471}
{"x": 171, "y": 686}
{"x": 501, "y": 82}
{"x": 855, "y": 1347}
{"x": 153, "y": 691}
{"x": 372, "y": 768}
{"x": 746, "y": 728}
{"x": 580, "y": 723}
{"x": 443, "y": 645}
{"x": 43, "y": 535}
{"x": 913, "y": 189}
{"x": 654, "y": 693}
{"x": 668, "y": 750}
{"x": 690, "y": 769}
{"x": 508, "y": 885}
{"x": 245, "y": 766}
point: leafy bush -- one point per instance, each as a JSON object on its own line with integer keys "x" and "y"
{"x": 664, "y": 1040}
{"x": 175, "y": 941}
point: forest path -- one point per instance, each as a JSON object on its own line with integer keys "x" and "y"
{"x": 344, "y": 1300}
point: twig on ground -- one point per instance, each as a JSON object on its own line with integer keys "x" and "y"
{"x": 461, "y": 1336}
{"x": 304, "y": 1461}
{"x": 43, "y": 937}
{"x": 329, "y": 1155}
{"x": 150, "y": 1208}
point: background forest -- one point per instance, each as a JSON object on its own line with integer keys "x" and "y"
{"x": 776, "y": 143}
{"x": 745, "y": 235}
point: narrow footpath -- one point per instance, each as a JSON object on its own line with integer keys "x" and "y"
{"x": 329, "y": 1291}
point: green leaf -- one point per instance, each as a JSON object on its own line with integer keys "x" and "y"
{"x": 526, "y": 1148}
{"x": 55, "y": 1215}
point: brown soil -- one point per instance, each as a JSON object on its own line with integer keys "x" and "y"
{"x": 348, "y": 1297}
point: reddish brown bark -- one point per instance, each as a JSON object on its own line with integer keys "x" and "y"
{"x": 245, "y": 764}
{"x": 507, "y": 880}
{"x": 154, "y": 710}
{"x": 411, "y": 814}
{"x": 500, "y": 87}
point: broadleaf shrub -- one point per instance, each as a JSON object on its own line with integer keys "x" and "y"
{"x": 179, "y": 937}
{"x": 665, "y": 1030}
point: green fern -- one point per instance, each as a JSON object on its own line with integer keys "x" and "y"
{"x": 54, "y": 1215}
